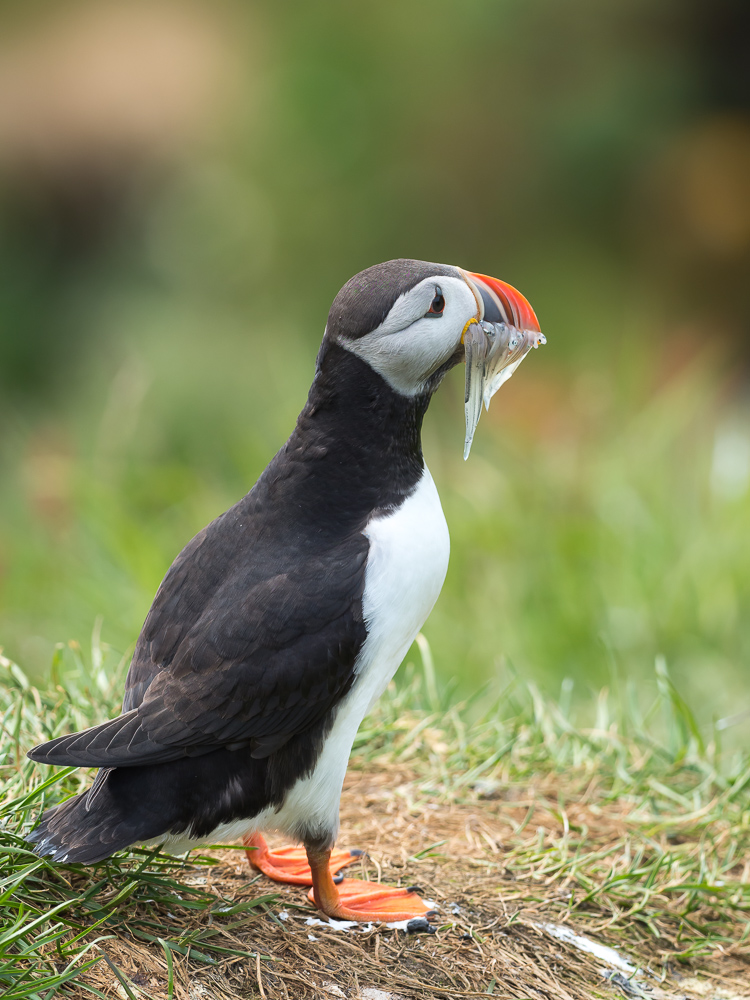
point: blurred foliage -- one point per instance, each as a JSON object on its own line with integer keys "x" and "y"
{"x": 183, "y": 189}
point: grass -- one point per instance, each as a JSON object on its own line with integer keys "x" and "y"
{"x": 56, "y": 919}
{"x": 515, "y": 813}
{"x": 600, "y": 521}
{"x": 599, "y": 528}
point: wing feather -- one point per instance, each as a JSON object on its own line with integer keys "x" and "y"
{"x": 245, "y": 645}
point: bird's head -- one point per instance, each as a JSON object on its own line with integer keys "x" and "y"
{"x": 412, "y": 321}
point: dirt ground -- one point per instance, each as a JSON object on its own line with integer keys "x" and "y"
{"x": 505, "y": 929}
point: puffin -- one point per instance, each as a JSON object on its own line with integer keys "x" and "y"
{"x": 281, "y": 623}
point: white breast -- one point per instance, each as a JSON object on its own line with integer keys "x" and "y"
{"x": 406, "y": 567}
{"x": 405, "y": 570}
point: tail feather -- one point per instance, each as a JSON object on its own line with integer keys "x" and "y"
{"x": 72, "y": 832}
{"x": 189, "y": 798}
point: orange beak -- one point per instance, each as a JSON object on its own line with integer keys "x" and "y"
{"x": 495, "y": 343}
{"x": 502, "y": 302}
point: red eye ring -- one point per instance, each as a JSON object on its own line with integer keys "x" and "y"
{"x": 438, "y": 304}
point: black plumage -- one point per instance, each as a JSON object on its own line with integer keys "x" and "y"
{"x": 365, "y": 300}
{"x": 253, "y": 636}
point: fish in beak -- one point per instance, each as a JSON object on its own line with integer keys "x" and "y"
{"x": 496, "y": 341}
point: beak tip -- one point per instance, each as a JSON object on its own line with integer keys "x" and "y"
{"x": 513, "y": 304}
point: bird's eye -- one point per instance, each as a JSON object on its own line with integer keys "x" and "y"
{"x": 437, "y": 305}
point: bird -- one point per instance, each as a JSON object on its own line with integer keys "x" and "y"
{"x": 280, "y": 624}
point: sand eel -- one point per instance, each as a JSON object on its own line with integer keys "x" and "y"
{"x": 280, "y": 624}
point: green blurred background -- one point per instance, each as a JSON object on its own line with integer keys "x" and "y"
{"x": 183, "y": 189}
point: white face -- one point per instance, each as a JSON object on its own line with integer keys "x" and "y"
{"x": 410, "y": 345}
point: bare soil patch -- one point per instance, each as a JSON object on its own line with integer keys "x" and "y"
{"x": 507, "y": 918}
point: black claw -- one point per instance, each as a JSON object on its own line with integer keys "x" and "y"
{"x": 338, "y": 879}
{"x": 415, "y": 888}
{"x": 431, "y": 915}
{"x": 419, "y": 925}
{"x": 356, "y": 853}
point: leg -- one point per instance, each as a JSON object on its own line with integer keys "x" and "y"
{"x": 289, "y": 864}
{"x": 353, "y": 899}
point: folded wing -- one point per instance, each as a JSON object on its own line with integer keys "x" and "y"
{"x": 239, "y": 652}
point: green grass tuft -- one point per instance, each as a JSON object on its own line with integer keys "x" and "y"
{"x": 672, "y": 868}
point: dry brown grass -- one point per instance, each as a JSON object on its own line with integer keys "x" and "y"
{"x": 517, "y": 822}
{"x": 494, "y": 900}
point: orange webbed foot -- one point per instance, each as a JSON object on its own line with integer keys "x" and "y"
{"x": 354, "y": 899}
{"x": 290, "y": 864}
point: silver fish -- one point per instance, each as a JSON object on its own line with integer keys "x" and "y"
{"x": 493, "y": 352}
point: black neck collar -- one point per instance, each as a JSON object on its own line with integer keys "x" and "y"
{"x": 368, "y": 430}
{"x": 356, "y": 449}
